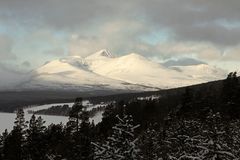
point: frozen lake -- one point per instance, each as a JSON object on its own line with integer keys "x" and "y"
{"x": 7, "y": 119}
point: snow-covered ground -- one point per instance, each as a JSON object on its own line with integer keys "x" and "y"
{"x": 104, "y": 71}
{"x": 45, "y": 106}
{"x": 7, "y": 119}
{"x": 153, "y": 97}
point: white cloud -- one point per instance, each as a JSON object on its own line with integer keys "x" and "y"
{"x": 118, "y": 37}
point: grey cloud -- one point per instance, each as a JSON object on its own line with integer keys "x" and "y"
{"x": 118, "y": 25}
{"x": 187, "y": 19}
{"x": 26, "y": 64}
{"x": 196, "y": 20}
{"x": 6, "y": 45}
{"x": 183, "y": 62}
{"x": 56, "y": 51}
{"x": 60, "y": 14}
{"x": 10, "y": 77}
{"x": 217, "y": 35}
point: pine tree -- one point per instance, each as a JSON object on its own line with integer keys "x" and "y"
{"x": 56, "y": 147}
{"x": 180, "y": 139}
{"x": 82, "y": 148}
{"x": 74, "y": 115}
{"x": 108, "y": 119}
{"x": 14, "y": 146}
{"x": 20, "y": 122}
{"x": 78, "y": 133}
{"x": 235, "y": 137}
{"x": 36, "y": 143}
{"x": 2, "y": 141}
{"x": 215, "y": 144}
{"x": 121, "y": 145}
{"x": 230, "y": 95}
{"x": 149, "y": 145}
{"x": 186, "y": 107}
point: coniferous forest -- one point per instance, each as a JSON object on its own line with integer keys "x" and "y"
{"x": 203, "y": 123}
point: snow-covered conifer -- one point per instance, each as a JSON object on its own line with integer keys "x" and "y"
{"x": 121, "y": 145}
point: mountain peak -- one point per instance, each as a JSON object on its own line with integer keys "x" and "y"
{"x": 102, "y": 53}
{"x": 134, "y": 56}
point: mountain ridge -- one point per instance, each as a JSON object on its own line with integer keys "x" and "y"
{"x": 105, "y": 71}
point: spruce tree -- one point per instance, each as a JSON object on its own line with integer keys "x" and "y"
{"x": 82, "y": 148}
{"x": 14, "y": 146}
{"x": 215, "y": 144}
{"x": 78, "y": 133}
{"x": 36, "y": 143}
{"x": 121, "y": 145}
{"x": 230, "y": 95}
{"x": 149, "y": 145}
{"x": 2, "y": 141}
{"x": 86, "y": 136}
{"x": 74, "y": 115}
{"x": 54, "y": 136}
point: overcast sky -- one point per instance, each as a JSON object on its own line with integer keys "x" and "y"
{"x": 35, "y": 31}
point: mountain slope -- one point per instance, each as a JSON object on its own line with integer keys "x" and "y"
{"x": 136, "y": 69}
{"x": 104, "y": 71}
{"x": 72, "y": 73}
{"x": 202, "y": 72}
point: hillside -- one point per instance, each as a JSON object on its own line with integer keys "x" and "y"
{"x": 103, "y": 71}
{"x": 25, "y": 98}
{"x": 194, "y": 122}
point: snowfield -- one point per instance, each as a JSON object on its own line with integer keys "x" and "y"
{"x": 104, "y": 71}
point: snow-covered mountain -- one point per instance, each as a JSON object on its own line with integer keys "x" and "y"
{"x": 104, "y": 71}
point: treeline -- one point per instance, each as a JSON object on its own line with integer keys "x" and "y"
{"x": 64, "y": 110}
{"x": 213, "y": 138}
{"x": 59, "y": 110}
{"x": 34, "y": 141}
{"x": 202, "y": 124}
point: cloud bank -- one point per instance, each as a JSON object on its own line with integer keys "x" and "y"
{"x": 166, "y": 29}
